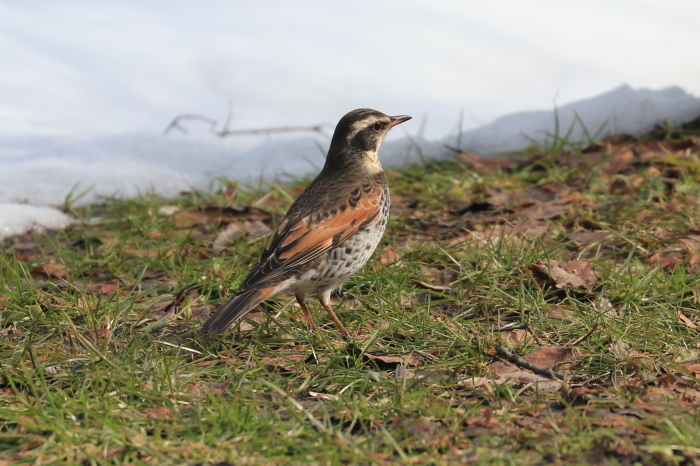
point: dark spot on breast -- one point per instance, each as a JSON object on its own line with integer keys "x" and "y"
{"x": 352, "y": 202}
{"x": 348, "y": 250}
{"x": 334, "y": 211}
{"x": 367, "y": 248}
{"x": 343, "y": 208}
{"x": 366, "y": 187}
{"x": 326, "y": 215}
{"x": 355, "y": 192}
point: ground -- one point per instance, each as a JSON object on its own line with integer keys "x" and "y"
{"x": 540, "y": 308}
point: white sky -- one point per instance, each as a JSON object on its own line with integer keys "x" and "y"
{"x": 87, "y": 87}
{"x": 85, "y": 68}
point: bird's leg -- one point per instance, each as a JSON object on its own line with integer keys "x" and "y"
{"x": 325, "y": 297}
{"x": 338, "y": 324}
{"x": 301, "y": 299}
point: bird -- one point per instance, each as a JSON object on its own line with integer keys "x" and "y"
{"x": 329, "y": 232}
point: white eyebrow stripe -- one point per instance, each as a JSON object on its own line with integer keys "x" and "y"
{"x": 360, "y": 125}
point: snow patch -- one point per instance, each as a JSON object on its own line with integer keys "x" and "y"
{"x": 16, "y": 219}
{"x": 46, "y": 171}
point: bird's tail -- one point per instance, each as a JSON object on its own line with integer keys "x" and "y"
{"x": 237, "y": 307}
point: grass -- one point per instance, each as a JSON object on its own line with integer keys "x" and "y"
{"x": 94, "y": 369}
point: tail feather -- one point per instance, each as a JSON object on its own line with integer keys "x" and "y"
{"x": 233, "y": 310}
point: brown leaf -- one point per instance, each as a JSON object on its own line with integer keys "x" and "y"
{"x": 547, "y": 357}
{"x": 577, "y": 396}
{"x": 50, "y": 270}
{"x": 227, "y": 236}
{"x": 584, "y": 239}
{"x": 324, "y": 396}
{"x": 573, "y": 274}
{"x": 667, "y": 259}
{"x": 688, "y": 323}
{"x": 110, "y": 287}
{"x": 620, "y": 161}
{"x": 388, "y": 256}
{"x": 158, "y": 413}
{"x": 543, "y": 211}
{"x": 201, "y": 389}
{"x": 386, "y": 358}
{"x": 513, "y": 377}
{"x": 518, "y": 337}
{"x": 150, "y": 253}
{"x": 188, "y": 218}
{"x": 424, "y": 428}
{"x": 484, "y": 165}
{"x": 215, "y": 214}
{"x": 431, "y": 286}
{"x": 256, "y": 228}
{"x": 284, "y": 363}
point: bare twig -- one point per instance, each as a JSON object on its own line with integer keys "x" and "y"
{"x": 176, "y": 124}
{"x": 280, "y": 129}
{"x": 518, "y": 361}
{"x": 585, "y": 337}
{"x": 169, "y": 310}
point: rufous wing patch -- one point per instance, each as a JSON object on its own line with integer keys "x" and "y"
{"x": 296, "y": 243}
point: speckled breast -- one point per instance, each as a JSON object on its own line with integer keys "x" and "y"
{"x": 342, "y": 262}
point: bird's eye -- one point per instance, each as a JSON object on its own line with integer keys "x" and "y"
{"x": 378, "y": 126}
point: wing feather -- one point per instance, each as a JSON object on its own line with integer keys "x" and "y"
{"x": 299, "y": 240}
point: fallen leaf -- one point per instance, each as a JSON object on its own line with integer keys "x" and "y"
{"x": 150, "y": 253}
{"x": 576, "y": 274}
{"x": 547, "y": 357}
{"x": 543, "y": 211}
{"x": 620, "y": 348}
{"x": 388, "y": 256}
{"x": 688, "y": 323}
{"x": 583, "y": 239}
{"x": 430, "y": 286}
{"x": 201, "y": 389}
{"x": 577, "y": 396}
{"x": 188, "y": 218}
{"x": 256, "y": 228}
{"x": 158, "y": 413}
{"x": 227, "y": 236}
{"x": 50, "y": 270}
{"x": 667, "y": 258}
{"x": 489, "y": 165}
{"x": 324, "y": 396}
{"x": 518, "y": 337}
{"x": 284, "y": 363}
{"x": 103, "y": 287}
{"x": 386, "y": 358}
{"x": 424, "y": 428}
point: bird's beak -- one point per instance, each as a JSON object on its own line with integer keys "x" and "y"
{"x": 397, "y": 120}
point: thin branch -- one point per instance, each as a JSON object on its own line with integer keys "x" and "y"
{"x": 279, "y": 129}
{"x": 585, "y": 337}
{"x": 518, "y": 361}
{"x": 175, "y": 124}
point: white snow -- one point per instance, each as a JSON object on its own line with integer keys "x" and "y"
{"x": 86, "y": 89}
{"x": 16, "y": 219}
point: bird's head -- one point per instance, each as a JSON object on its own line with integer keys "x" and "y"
{"x": 359, "y": 134}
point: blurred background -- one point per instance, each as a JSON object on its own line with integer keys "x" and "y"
{"x": 91, "y": 68}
